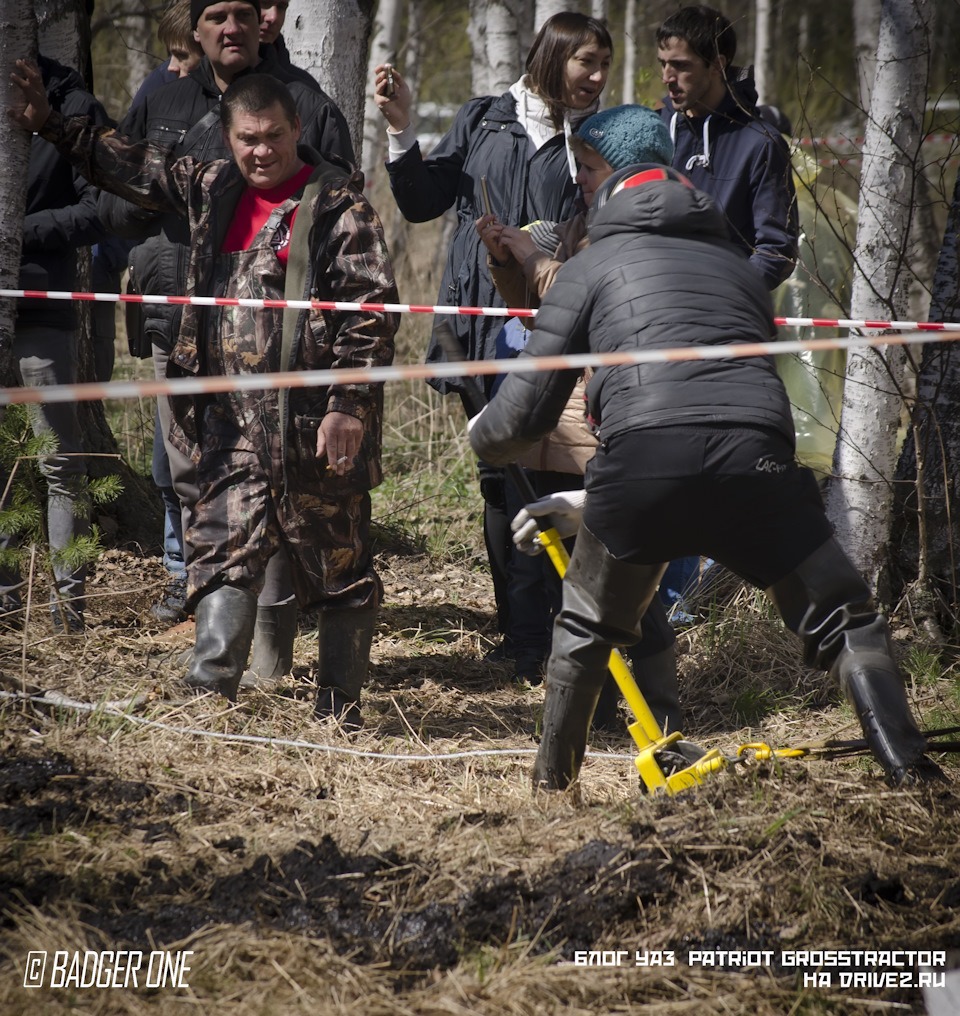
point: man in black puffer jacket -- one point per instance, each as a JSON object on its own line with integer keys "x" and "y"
{"x": 689, "y": 451}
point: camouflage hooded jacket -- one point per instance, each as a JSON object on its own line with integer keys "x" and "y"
{"x": 348, "y": 260}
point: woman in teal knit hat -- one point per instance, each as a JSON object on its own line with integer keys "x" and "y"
{"x": 523, "y": 264}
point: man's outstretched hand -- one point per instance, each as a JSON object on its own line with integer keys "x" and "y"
{"x": 28, "y": 79}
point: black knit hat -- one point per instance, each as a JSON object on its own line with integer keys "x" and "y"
{"x": 197, "y": 7}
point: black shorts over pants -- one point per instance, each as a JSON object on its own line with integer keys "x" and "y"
{"x": 732, "y": 493}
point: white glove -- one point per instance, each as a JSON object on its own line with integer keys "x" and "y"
{"x": 565, "y": 509}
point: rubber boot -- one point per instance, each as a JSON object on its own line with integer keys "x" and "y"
{"x": 827, "y": 603}
{"x": 273, "y": 637}
{"x": 603, "y": 602}
{"x": 871, "y": 682}
{"x": 656, "y": 677}
{"x": 225, "y": 621}
{"x": 344, "y": 637}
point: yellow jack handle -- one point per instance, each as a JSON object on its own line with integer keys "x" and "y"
{"x": 645, "y": 731}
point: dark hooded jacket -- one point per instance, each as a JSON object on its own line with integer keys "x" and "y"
{"x": 61, "y": 209}
{"x": 166, "y": 116}
{"x": 659, "y": 272}
{"x": 748, "y": 174}
{"x": 486, "y": 140}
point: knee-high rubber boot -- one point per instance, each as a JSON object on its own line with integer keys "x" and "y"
{"x": 225, "y": 620}
{"x": 603, "y": 603}
{"x": 344, "y": 638}
{"x": 827, "y": 603}
{"x": 273, "y": 637}
{"x": 656, "y": 677}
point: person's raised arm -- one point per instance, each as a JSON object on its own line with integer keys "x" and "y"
{"x": 36, "y": 110}
{"x": 141, "y": 172}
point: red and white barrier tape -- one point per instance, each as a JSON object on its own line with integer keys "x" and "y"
{"x": 223, "y": 301}
{"x": 368, "y": 375}
{"x": 416, "y": 308}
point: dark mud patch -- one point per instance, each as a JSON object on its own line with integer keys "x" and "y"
{"x": 359, "y": 902}
{"x": 47, "y": 794}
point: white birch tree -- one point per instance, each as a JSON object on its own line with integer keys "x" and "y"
{"x": 763, "y": 52}
{"x": 64, "y": 34}
{"x": 547, "y": 8}
{"x": 477, "y": 33}
{"x": 383, "y": 49}
{"x": 503, "y": 45}
{"x": 18, "y": 39}
{"x": 328, "y": 39}
{"x": 866, "y": 32}
{"x": 861, "y": 494}
{"x": 629, "y": 52}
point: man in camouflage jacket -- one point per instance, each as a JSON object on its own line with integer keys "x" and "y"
{"x": 306, "y": 486}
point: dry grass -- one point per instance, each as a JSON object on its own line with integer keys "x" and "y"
{"x": 304, "y": 878}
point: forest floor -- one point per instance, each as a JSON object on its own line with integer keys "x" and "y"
{"x": 409, "y": 869}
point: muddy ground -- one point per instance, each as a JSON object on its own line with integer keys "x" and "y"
{"x": 307, "y": 870}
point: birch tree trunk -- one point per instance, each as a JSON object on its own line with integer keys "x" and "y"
{"x": 328, "y": 39}
{"x": 18, "y": 38}
{"x": 866, "y": 32}
{"x": 64, "y": 34}
{"x": 861, "y": 494}
{"x": 629, "y": 54}
{"x": 547, "y": 8}
{"x": 503, "y": 46}
{"x": 477, "y": 33}
{"x": 599, "y": 9}
{"x": 763, "y": 57}
{"x": 383, "y": 49}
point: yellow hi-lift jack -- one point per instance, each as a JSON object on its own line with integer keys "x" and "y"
{"x": 645, "y": 730}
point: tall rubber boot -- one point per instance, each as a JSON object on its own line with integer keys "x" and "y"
{"x": 827, "y": 603}
{"x": 225, "y": 621}
{"x": 344, "y": 639}
{"x": 656, "y": 677}
{"x": 872, "y": 684}
{"x": 603, "y": 602}
{"x": 273, "y": 637}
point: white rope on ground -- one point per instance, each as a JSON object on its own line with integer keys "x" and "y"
{"x": 283, "y": 742}
{"x": 367, "y": 375}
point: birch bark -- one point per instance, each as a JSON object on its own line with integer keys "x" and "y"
{"x": 328, "y": 39}
{"x": 861, "y": 494}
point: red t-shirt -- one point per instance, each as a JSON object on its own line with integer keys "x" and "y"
{"x": 254, "y": 208}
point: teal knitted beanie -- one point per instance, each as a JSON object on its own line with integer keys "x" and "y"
{"x": 624, "y": 135}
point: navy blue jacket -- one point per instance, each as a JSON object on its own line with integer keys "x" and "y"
{"x": 61, "y": 209}
{"x": 659, "y": 272}
{"x": 748, "y": 175}
{"x": 486, "y": 139}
